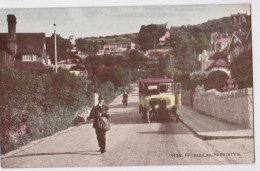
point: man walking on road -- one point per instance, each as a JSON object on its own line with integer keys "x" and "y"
{"x": 98, "y": 111}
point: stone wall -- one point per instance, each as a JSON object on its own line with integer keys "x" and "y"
{"x": 234, "y": 106}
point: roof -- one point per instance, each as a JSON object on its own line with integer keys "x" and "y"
{"x": 30, "y": 66}
{"x": 210, "y": 54}
{"x": 27, "y": 43}
{"x": 165, "y": 36}
{"x": 218, "y": 63}
{"x": 241, "y": 35}
{"x": 218, "y": 55}
{"x": 156, "y": 80}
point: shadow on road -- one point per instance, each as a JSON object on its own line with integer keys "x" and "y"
{"x": 135, "y": 104}
{"x": 170, "y": 128}
{"x": 126, "y": 118}
{"x": 47, "y": 154}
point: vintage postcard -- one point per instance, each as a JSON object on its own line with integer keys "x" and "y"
{"x": 158, "y": 85}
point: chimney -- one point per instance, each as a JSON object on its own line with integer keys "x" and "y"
{"x": 11, "y": 43}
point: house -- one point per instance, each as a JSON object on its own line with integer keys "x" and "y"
{"x": 117, "y": 48}
{"x": 22, "y": 51}
{"x": 239, "y": 19}
{"x": 78, "y": 70}
{"x": 68, "y": 63}
{"x": 214, "y": 62}
{"x": 206, "y": 59}
{"x": 241, "y": 41}
{"x": 220, "y": 63}
{"x": 219, "y": 41}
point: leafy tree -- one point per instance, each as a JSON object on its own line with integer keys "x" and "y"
{"x": 114, "y": 75}
{"x": 63, "y": 47}
{"x": 135, "y": 59}
{"x": 88, "y": 46}
{"x": 149, "y": 35}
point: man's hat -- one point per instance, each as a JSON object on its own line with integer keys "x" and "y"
{"x": 100, "y": 97}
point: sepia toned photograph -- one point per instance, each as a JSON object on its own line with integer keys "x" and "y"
{"x": 106, "y": 86}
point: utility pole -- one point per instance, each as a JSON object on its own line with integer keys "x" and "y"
{"x": 171, "y": 65}
{"x": 55, "y": 47}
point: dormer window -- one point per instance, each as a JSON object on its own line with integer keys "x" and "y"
{"x": 29, "y": 57}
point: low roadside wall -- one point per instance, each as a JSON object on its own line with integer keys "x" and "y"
{"x": 234, "y": 106}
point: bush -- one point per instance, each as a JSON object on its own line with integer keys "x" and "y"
{"x": 216, "y": 80}
{"x": 192, "y": 80}
{"x": 36, "y": 105}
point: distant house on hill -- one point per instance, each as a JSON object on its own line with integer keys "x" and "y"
{"x": 68, "y": 63}
{"x": 22, "y": 51}
{"x": 238, "y": 19}
{"x": 117, "y": 48}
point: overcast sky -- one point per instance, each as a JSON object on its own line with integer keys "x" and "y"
{"x": 102, "y": 21}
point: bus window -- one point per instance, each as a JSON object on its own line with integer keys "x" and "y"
{"x": 166, "y": 88}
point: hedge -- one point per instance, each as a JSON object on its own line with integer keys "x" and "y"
{"x": 36, "y": 105}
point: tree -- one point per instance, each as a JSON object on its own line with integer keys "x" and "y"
{"x": 242, "y": 70}
{"x": 149, "y": 35}
{"x": 63, "y": 47}
{"x": 184, "y": 61}
{"x": 135, "y": 59}
{"x": 109, "y": 60}
{"x": 114, "y": 75}
{"x": 88, "y": 46}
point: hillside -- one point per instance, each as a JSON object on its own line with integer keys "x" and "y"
{"x": 199, "y": 35}
{"x": 114, "y": 38}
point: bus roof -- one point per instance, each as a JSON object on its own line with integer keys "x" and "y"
{"x": 156, "y": 80}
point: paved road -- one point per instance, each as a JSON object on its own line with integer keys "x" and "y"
{"x": 131, "y": 142}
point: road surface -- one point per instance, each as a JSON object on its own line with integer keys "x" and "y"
{"x": 131, "y": 142}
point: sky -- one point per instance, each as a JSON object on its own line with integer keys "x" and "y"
{"x": 103, "y": 21}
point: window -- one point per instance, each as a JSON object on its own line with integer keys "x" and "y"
{"x": 151, "y": 89}
{"x": 165, "y": 88}
{"x": 31, "y": 57}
